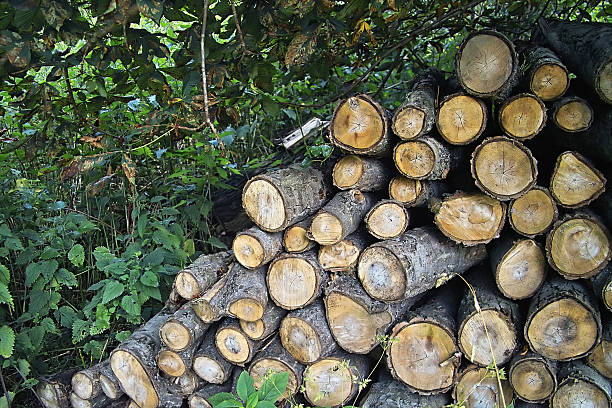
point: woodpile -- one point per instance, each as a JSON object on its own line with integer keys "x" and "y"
{"x": 441, "y": 254}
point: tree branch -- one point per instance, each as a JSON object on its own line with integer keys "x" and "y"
{"x": 245, "y": 51}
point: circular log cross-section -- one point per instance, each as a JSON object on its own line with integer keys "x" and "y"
{"x": 359, "y": 125}
{"x": 486, "y": 64}
{"x": 533, "y": 377}
{"x": 519, "y": 267}
{"x": 423, "y": 159}
{"x": 254, "y": 247}
{"x": 273, "y": 360}
{"x": 580, "y": 385}
{"x": 233, "y": 344}
{"x": 110, "y": 383}
{"x": 295, "y": 280}
{"x": 573, "y": 114}
{"x": 601, "y": 357}
{"x": 280, "y": 198}
{"x": 477, "y": 388}
{"x": 416, "y": 115}
{"x": 523, "y": 116}
{"x": 295, "y": 238}
{"x": 461, "y": 118}
{"x": 209, "y": 364}
{"x": 534, "y": 213}
{"x": 202, "y": 274}
{"x": 360, "y": 173}
{"x": 563, "y": 322}
{"x": 548, "y": 77}
{"x": 578, "y": 246}
{"x": 86, "y": 383}
{"x": 404, "y": 189}
{"x": 171, "y": 363}
{"x": 343, "y": 256}
{"x": 387, "y": 219}
{"x": 182, "y": 329}
{"x": 470, "y": 219}
{"x": 503, "y": 168}
{"x": 575, "y": 182}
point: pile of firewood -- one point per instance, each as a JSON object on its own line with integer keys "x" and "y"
{"x": 330, "y": 273}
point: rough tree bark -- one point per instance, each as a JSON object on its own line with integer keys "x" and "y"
{"x": 602, "y": 285}
{"x": 361, "y": 173}
{"x": 546, "y": 75}
{"x": 254, "y": 248}
{"x": 601, "y": 357}
{"x": 201, "y": 275}
{"x": 268, "y": 324}
{"x": 54, "y": 390}
{"x": 579, "y": 383}
{"x": 390, "y": 393}
{"x": 110, "y": 383}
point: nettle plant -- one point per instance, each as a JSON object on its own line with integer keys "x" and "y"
{"x": 270, "y": 391}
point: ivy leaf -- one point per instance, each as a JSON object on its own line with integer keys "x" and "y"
{"x": 130, "y": 304}
{"x": 7, "y": 341}
{"x": 112, "y": 290}
{"x": 76, "y": 255}
{"x": 245, "y": 386}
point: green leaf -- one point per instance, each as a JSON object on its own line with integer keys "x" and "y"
{"x": 67, "y": 316}
{"x": 3, "y": 400}
{"x": 273, "y": 387}
{"x": 229, "y": 404}
{"x": 265, "y": 404}
{"x": 102, "y": 322}
{"x": 189, "y": 247}
{"x": 24, "y": 367}
{"x": 151, "y": 8}
{"x": 252, "y": 400}
{"x": 130, "y": 304}
{"x": 5, "y": 274}
{"x": 216, "y": 242}
{"x": 49, "y": 253}
{"x": 32, "y": 273}
{"x": 245, "y": 386}
{"x": 149, "y": 279}
{"x": 220, "y": 397}
{"x": 112, "y": 290}
{"x": 80, "y": 328}
{"x": 7, "y": 341}
{"x": 66, "y": 278}
{"x": 76, "y": 255}
{"x": 13, "y": 244}
{"x": 5, "y": 296}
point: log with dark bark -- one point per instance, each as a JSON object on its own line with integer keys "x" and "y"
{"x": 209, "y": 364}
{"x": 134, "y": 363}
{"x": 340, "y": 217}
{"x": 280, "y": 198}
{"x": 86, "y": 383}
{"x": 98, "y": 401}
{"x": 584, "y": 48}
{"x": 545, "y": 73}
{"x": 426, "y": 158}
{"x": 461, "y": 118}
{"x": 267, "y": 325}
{"x": 533, "y": 213}
{"x": 296, "y": 239}
{"x": 54, "y": 390}
{"x": 413, "y": 263}
{"x": 335, "y": 380}
{"x": 390, "y": 393}
{"x": 572, "y": 114}
{"x": 580, "y": 384}
{"x": 487, "y": 65}
{"x": 602, "y": 285}
{"x": 533, "y": 377}
{"x": 575, "y": 182}
{"x": 416, "y": 193}
{"x": 357, "y": 321}
{"x": 563, "y": 322}
{"x": 519, "y": 266}
{"x": 199, "y": 399}
{"x": 361, "y": 173}
{"x": 477, "y": 388}
{"x": 425, "y": 355}
{"x": 295, "y": 280}
{"x": 601, "y": 357}
{"x": 489, "y": 329}
{"x": 523, "y": 116}
{"x": 273, "y": 358}
{"x": 177, "y": 363}
{"x": 201, "y": 275}
{"x": 578, "y": 246}
{"x": 343, "y": 256}
{"x": 416, "y": 115}
{"x": 387, "y": 219}
{"x": 235, "y": 346}
{"x": 360, "y": 125}
{"x": 241, "y": 293}
{"x": 186, "y": 384}
{"x": 503, "y": 168}
{"x": 470, "y": 218}
{"x": 183, "y": 329}
{"x": 254, "y": 248}
{"x": 110, "y": 383}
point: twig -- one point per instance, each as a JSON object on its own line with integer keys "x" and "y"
{"x": 245, "y": 51}
{"x": 8, "y": 397}
{"x": 204, "y": 85}
{"x": 32, "y": 389}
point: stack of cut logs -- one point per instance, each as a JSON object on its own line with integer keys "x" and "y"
{"x": 443, "y": 248}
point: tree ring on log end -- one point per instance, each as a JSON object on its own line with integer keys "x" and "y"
{"x": 575, "y": 182}
{"x": 264, "y": 204}
{"x": 534, "y": 213}
{"x": 478, "y": 389}
{"x": 387, "y": 220}
{"x": 175, "y": 335}
{"x": 341, "y": 256}
{"x": 348, "y": 171}
{"x": 532, "y": 379}
{"x": 186, "y": 285}
{"x": 419, "y": 355}
{"x": 253, "y": 329}
{"x": 352, "y": 326}
{"x": 330, "y": 383}
{"x": 578, "y": 247}
{"x": 262, "y": 368}
{"x": 604, "y": 81}
{"x": 549, "y": 81}
{"x": 292, "y": 282}
{"x": 296, "y": 238}
{"x": 503, "y": 168}
{"x": 381, "y": 274}
{"x": 248, "y": 250}
{"x": 208, "y": 370}
{"x": 82, "y": 385}
{"x": 246, "y": 309}
{"x": 563, "y": 330}
{"x": 601, "y": 358}
{"x": 522, "y": 270}
{"x": 326, "y": 228}
{"x": 461, "y": 119}
{"x": 573, "y": 114}
{"x": 358, "y": 124}
{"x": 300, "y": 340}
{"x": 474, "y": 342}
{"x": 408, "y": 122}
{"x": 171, "y": 363}
{"x": 485, "y": 63}
{"x": 414, "y": 159}
{"x": 522, "y": 116}
{"x": 109, "y": 387}
{"x": 233, "y": 345}
{"x": 580, "y": 391}
{"x": 134, "y": 379}
{"x": 404, "y": 189}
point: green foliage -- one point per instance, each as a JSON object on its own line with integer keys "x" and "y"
{"x": 250, "y": 397}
